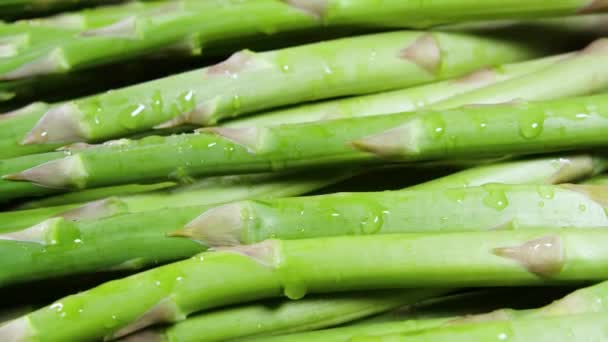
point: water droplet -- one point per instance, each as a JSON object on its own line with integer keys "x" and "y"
{"x": 212, "y": 144}
{"x": 582, "y": 207}
{"x": 531, "y": 124}
{"x": 436, "y": 125}
{"x": 495, "y": 198}
{"x": 157, "y": 283}
{"x": 295, "y": 290}
{"x": 581, "y": 116}
{"x": 140, "y": 108}
{"x": 180, "y": 278}
{"x": 236, "y": 102}
{"x": 541, "y": 204}
{"x": 285, "y": 68}
{"x": 503, "y": 336}
{"x": 56, "y": 307}
{"x": 545, "y": 192}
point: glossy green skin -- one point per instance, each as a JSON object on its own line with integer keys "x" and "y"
{"x": 403, "y": 100}
{"x": 536, "y": 127}
{"x": 283, "y": 317}
{"x": 309, "y": 72}
{"x": 492, "y": 206}
{"x": 598, "y": 180}
{"x": 10, "y": 190}
{"x": 584, "y": 327}
{"x": 204, "y": 192}
{"x": 298, "y": 267}
{"x": 11, "y": 9}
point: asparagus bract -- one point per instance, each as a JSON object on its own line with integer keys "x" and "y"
{"x": 335, "y": 68}
{"x": 296, "y": 267}
{"x": 493, "y": 206}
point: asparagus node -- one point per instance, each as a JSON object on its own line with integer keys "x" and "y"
{"x": 228, "y": 91}
{"x": 268, "y": 269}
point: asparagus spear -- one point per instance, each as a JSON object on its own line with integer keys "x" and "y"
{"x": 316, "y": 71}
{"x": 493, "y": 206}
{"x": 534, "y": 80}
{"x": 296, "y": 267}
{"x": 583, "y": 327}
{"x": 468, "y": 132}
{"x": 403, "y": 100}
{"x": 10, "y": 9}
{"x": 204, "y": 192}
{"x": 281, "y": 316}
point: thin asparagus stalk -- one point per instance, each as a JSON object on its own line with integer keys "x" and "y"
{"x": 582, "y": 327}
{"x": 586, "y": 300}
{"x": 467, "y": 132}
{"x": 493, "y": 206}
{"x": 296, "y": 267}
{"x": 544, "y": 170}
{"x": 335, "y": 68}
{"x": 282, "y": 316}
{"x": 403, "y": 100}
{"x": 293, "y": 316}
{"x": 204, "y": 192}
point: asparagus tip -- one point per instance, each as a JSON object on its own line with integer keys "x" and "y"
{"x": 16, "y": 330}
{"x": 125, "y": 28}
{"x": 572, "y": 168}
{"x": 245, "y": 136}
{"x": 51, "y": 63}
{"x": 59, "y": 173}
{"x": 315, "y": 8}
{"x": 393, "y": 142}
{"x": 424, "y": 52}
{"x": 58, "y": 125}
{"x": 481, "y": 76}
{"x": 543, "y": 256}
{"x": 94, "y": 210}
{"x": 219, "y": 226}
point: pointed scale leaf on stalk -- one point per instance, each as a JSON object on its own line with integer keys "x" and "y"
{"x": 296, "y": 267}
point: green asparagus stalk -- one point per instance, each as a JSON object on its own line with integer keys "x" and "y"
{"x": 468, "y": 132}
{"x": 403, "y": 100}
{"x": 281, "y": 317}
{"x": 316, "y": 71}
{"x": 204, "y": 192}
{"x": 493, "y": 206}
{"x": 296, "y": 267}
{"x": 545, "y": 170}
{"x": 534, "y": 80}
{"x": 561, "y": 328}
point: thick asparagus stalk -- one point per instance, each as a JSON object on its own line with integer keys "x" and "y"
{"x": 493, "y": 206}
{"x": 598, "y": 180}
{"x": 403, "y": 100}
{"x": 535, "y": 80}
{"x": 316, "y": 71}
{"x": 10, "y": 9}
{"x": 282, "y": 317}
{"x": 468, "y": 132}
{"x": 204, "y": 192}
{"x": 296, "y": 267}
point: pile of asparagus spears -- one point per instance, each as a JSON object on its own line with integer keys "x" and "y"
{"x": 298, "y": 170}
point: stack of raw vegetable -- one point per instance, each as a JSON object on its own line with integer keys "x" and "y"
{"x": 375, "y": 171}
